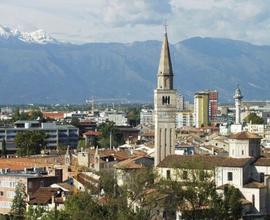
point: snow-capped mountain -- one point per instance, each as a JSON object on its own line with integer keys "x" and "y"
{"x": 38, "y": 36}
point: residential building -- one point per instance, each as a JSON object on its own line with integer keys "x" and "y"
{"x": 201, "y": 109}
{"x": 65, "y": 135}
{"x": 213, "y": 105}
{"x": 184, "y": 119}
{"x": 180, "y": 102}
{"x": 146, "y": 117}
{"x": 32, "y": 182}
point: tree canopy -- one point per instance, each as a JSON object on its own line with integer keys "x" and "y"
{"x": 254, "y": 119}
{"x": 109, "y": 129}
{"x": 30, "y": 142}
{"x": 18, "y": 206}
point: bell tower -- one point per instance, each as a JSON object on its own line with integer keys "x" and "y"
{"x": 164, "y": 105}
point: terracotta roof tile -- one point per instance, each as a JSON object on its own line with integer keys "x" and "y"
{"x": 92, "y": 133}
{"x": 244, "y": 136}
{"x": 44, "y": 195}
{"x": 29, "y": 162}
{"x": 201, "y": 162}
{"x": 263, "y": 161}
{"x": 135, "y": 163}
{"x": 255, "y": 184}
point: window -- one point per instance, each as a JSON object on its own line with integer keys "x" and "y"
{"x": 165, "y": 100}
{"x": 185, "y": 174}
{"x": 1, "y": 193}
{"x": 230, "y": 176}
{"x": 242, "y": 152}
{"x": 168, "y": 175}
{"x": 253, "y": 200}
{"x": 261, "y": 177}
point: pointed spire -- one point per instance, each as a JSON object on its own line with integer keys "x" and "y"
{"x": 165, "y": 65}
{"x": 165, "y": 71}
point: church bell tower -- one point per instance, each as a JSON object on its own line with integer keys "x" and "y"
{"x": 164, "y": 106}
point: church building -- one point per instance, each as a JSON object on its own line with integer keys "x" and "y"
{"x": 165, "y": 106}
{"x": 245, "y": 168}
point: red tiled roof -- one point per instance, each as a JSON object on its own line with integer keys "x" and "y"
{"x": 201, "y": 162}
{"x": 263, "y": 161}
{"x": 53, "y": 115}
{"x": 255, "y": 184}
{"x": 44, "y": 195}
{"x": 129, "y": 164}
{"x": 92, "y": 133}
{"x": 244, "y": 136}
{"x": 29, "y": 162}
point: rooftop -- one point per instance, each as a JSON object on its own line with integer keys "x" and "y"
{"x": 263, "y": 161}
{"x": 244, "y": 136}
{"x": 255, "y": 184}
{"x": 201, "y": 162}
{"x": 135, "y": 163}
{"x": 44, "y": 195}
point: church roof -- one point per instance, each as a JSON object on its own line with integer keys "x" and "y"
{"x": 201, "y": 162}
{"x": 165, "y": 64}
{"x": 255, "y": 184}
{"x": 244, "y": 136}
{"x": 135, "y": 163}
{"x": 263, "y": 161}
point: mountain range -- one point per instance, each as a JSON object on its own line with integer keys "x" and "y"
{"x": 36, "y": 68}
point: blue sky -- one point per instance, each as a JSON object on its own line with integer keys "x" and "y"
{"x": 138, "y": 20}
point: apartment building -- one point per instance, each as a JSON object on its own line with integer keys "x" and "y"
{"x": 65, "y": 135}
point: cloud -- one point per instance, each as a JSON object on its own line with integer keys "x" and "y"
{"x": 131, "y": 20}
{"x": 126, "y": 12}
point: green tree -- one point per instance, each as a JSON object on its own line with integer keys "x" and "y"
{"x": 232, "y": 203}
{"x": 109, "y": 129}
{"x": 75, "y": 121}
{"x": 18, "y": 206}
{"x": 29, "y": 142}
{"x": 254, "y": 119}
{"x": 20, "y": 115}
{"x": 133, "y": 116}
{"x": 36, "y": 115}
{"x": 34, "y": 213}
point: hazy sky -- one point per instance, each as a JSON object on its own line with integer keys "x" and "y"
{"x": 136, "y": 20}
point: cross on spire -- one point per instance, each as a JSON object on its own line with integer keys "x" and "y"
{"x": 165, "y": 27}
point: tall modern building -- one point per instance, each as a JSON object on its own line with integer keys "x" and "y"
{"x": 165, "y": 106}
{"x": 213, "y": 105}
{"x": 201, "y": 109}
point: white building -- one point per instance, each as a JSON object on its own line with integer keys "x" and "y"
{"x": 237, "y": 126}
{"x": 180, "y": 102}
{"x": 146, "y": 117}
{"x": 184, "y": 119}
{"x": 245, "y": 169}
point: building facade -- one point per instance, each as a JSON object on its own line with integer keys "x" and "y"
{"x": 213, "y": 105}
{"x": 184, "y": 119}
{"x": 201, "y": 109}
{"x": 55, "y": 134}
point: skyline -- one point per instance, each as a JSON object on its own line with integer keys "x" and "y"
{"x": 129, "y": 21}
